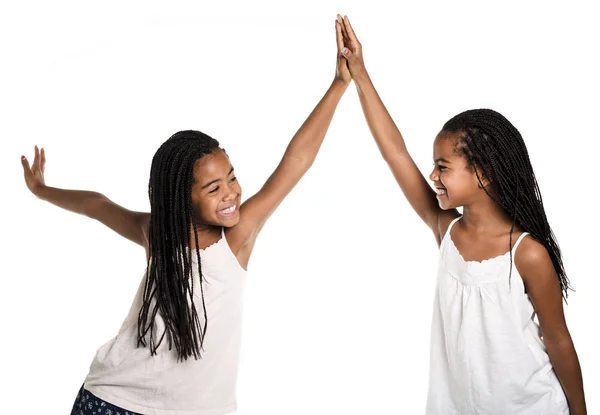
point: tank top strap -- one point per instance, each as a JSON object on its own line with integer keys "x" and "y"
{"x": 523, "y": 235}
{"x": 450, "y": 226}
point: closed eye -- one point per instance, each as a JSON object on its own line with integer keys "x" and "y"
{"x": 233, "y": 179}
{"x": 214, "y": 190}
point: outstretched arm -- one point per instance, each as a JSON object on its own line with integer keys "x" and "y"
{"x": 420, "y": 195}
{"x": 129, "y": 224}
{"x": 297, "y": 159}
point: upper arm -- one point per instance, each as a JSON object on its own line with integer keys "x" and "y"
{"x": 129, "y": 224}
{"x": 542, "y": 285}
{"x": 419, "y": 194}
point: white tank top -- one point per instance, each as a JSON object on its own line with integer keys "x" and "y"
{"x": 487, "y": 356}
{"x": 131, "y": 378}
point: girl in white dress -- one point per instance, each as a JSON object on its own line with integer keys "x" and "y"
{"x": 488, "y": 354}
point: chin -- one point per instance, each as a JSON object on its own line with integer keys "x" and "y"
{"x": 446, "y": 206}
{"x": 229, "y": 222}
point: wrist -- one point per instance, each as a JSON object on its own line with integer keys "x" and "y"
{"x": 338, "y": 87}
{"x": 340, "y": 83}
{"x": 360, "y": 75}
{"x": 39, "y": 191}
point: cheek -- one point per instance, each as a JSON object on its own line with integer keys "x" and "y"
{"x": 455, "y": 182}
{"x": 445, "y": 178}
{"x": 204, "y": 206}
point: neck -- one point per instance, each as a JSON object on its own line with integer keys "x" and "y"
{"x": 206, "y": 234}
{"x": 486, "y": 216}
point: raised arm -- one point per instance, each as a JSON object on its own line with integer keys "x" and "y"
{"x": 297, "y": 159}
{"x": 129, "y": 224}
{"x": 420, "y": 195}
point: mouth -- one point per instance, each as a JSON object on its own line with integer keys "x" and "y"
{"x": 441, "y": 191}
{"x": 229, "y": 211}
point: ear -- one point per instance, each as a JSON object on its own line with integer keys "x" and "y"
{"x": 482, "y": 179}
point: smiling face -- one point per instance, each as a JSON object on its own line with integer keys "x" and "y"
{"x": 455, "y": 182}
{"x": 216, "y": 193}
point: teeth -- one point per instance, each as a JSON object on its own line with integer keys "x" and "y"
{"x": 440, "y": 191}
{"x": 228, "y": 210}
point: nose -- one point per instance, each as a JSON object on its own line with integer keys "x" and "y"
{"x": 434, "y": 175}
{"x": 231, "y": 194}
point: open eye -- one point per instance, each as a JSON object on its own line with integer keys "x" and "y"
{"x": 442, "y": 168}
{"x": 233, "y": 179}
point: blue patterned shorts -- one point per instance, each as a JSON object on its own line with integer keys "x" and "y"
{"x": 87, "y": 403}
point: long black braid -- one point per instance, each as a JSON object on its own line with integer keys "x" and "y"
{"x": 490, "y": 143}
{"x": 169, "y": 289}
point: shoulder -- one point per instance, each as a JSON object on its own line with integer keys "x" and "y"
{"x": 533, "y": 261}
{"x": 530, "y": 252}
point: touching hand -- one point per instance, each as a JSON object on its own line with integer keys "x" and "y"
{"x": 34, "y": 175}
{"x": 352, "y": 49}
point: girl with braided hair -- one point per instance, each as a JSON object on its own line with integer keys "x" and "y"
{"x": 500, "y": 264}
{"x": 177, "y": 351}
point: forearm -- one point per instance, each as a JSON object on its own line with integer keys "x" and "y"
{"x": 566, "y": 365}
{"x": 77, "y": 201}
{"x": 305, "y": 144}
{"x": 382, "y": 126}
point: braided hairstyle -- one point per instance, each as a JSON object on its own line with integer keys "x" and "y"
{"x": 492, "y": 145}
{"x": 169, "y": 289}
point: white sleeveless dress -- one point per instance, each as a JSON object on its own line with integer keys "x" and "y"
{"x": 487, "y": 357}
{"x": 131, "y": 378}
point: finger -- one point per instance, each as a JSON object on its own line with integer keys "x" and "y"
{"x": 340, "y": 19}
{"x": 339, "y": 37}
{"x": 350, "y": 30}
{"x": 25, "y": 164}
{"x": 36, "y": 158}
{"x": 43, "y": 159}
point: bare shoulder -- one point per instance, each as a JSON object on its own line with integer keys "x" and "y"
{"x": 533, "y": 261}
{"x": 444, "y": 219}
{"x": 543, "y": 288}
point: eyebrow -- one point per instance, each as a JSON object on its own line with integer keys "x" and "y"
{"x": 216, "y": 180}
{"x": 443, "y": 160}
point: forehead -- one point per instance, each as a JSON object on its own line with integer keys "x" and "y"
{"x": 212, "y": 166}
{"x": 444, "y": 145}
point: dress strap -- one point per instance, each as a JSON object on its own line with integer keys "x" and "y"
{"x": 450, "y": 226}
{"x": 524, "y": 234}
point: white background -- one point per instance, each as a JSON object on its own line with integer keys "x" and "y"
{"x": 339, "y": 300}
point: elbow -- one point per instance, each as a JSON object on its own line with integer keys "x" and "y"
{"x": 299, "y": 162}
{"x": 559, "y": 345}
{"x": 93, "y": 205}
{"x": 394, "y": 156}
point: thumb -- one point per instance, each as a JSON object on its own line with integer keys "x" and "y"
{"x": 346, "y": 53}
{"x": 26, "y": 169}
{"x": 25, "y": 164}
